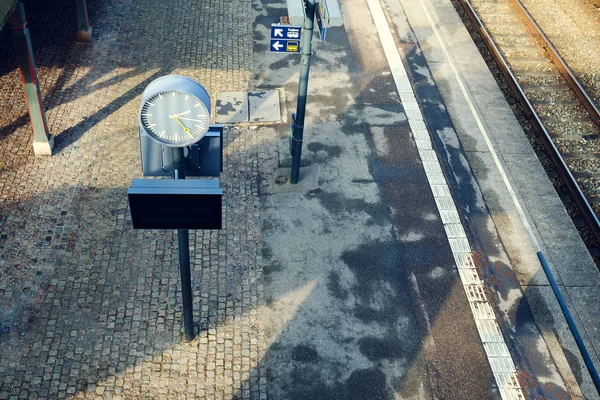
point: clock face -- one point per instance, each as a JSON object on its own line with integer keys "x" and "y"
{"x": 175, "y": 118}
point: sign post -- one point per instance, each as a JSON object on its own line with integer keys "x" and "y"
{"x": 306, "y": 51}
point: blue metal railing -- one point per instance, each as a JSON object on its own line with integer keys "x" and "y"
{"x": 563, "y": 306}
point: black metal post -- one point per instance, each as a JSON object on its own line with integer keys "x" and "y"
{"x": 183, "y": 240}
{"x": 306, "y": 51}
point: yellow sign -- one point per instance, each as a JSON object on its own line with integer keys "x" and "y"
{"x": 291, "y": 45}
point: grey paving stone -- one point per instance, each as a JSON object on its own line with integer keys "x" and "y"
{"x": 89, "y": 307}
{"x": 231, "y": 107}
{"x": 264, "y": 106}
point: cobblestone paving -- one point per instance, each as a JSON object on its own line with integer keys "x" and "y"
{"x": 90, "y": 308}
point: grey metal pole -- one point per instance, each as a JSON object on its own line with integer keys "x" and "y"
{"x": 306, "y": 51}
{"x": 183, "y": 240}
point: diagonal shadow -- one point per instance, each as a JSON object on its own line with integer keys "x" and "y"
{"x": 72, "y": 134}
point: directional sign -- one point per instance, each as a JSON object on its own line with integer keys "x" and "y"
{"x": 319, "y": 10}
{"x": 285, "y": 38}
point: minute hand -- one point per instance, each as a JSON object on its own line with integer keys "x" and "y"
{"x": 190, "y": 119}
{"x": 183, "y": 113}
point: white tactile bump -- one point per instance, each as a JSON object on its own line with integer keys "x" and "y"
{"x": 416, "y": 124}
{"x": 423, "y": 144}
{"x": 440, "y": 190}
{"x": 502, "y": 364}
{"x": 449, "y": 217}
{"x": 428, "y": 156}
{"x": 469, "y": 276}
{"x": 489, "y": 331}
{"x": 475, "y": 293}
{"x": 464, "y": 260}
{"x": 407, "y": 98}
{"x": 511, "y": 394}
{"x": 436, "y": 178}
{"x": 432, "y": 166}
{"x": 454, "y": 231}
{"x": 459, "y": 245}
{"x": 404, "y": 86}
{"x": 444, "y": 203}
{"x": 496, "y": 350}
{"x": 410, "y": 105}
{"x": 413, "y": 114}
{"x": 398, "y": 71}
{"x": 482, "y": 310}
{"x": 507, "y": 380}
{"x": 421, "y": 134}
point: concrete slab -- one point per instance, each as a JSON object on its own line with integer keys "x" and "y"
{"x": 585, "y": 301}
{"x": 564, "y": 350}
{"x": 528, "y": 174}
{"x": 231, "y": 107}
{"x": 551, "y": 225}
{"x": 263, "y": 106}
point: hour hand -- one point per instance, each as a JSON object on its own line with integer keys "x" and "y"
{"x": 185, "y": 128}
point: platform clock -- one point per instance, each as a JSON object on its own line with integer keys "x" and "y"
{"x": 175, "y": 111}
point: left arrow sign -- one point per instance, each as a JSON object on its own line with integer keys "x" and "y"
{"x": 277, "y": 46}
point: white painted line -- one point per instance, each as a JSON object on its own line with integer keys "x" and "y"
{"x": 482, "y": 129}
{"x": 500, "y": 360}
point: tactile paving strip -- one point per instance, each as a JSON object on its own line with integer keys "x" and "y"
{"x": 501, "y": 362}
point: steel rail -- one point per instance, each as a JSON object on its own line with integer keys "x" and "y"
{"x": 564, "y": 69}
{"x": 582, "y": 202}
{"x": 563, "y": 170}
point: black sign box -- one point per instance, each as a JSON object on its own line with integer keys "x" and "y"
{"x": 175, "y": 204}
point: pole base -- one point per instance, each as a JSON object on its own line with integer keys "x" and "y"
{"x": 84, "y": 36}
{"x": 41, "y": 149}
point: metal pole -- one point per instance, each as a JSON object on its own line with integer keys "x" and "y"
{"x": 84, "y": 30}
{"x": 306, "y": 51}
{"x": 184, "y": 255}
{"x": 43, "y": 142}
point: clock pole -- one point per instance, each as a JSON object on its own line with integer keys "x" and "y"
{"x": 183, "y": 240}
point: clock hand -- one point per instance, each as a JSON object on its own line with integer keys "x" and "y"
{"x": 190, "y": 119}
{"x": 183, "y": 113}
{"x": 185, "y": 128}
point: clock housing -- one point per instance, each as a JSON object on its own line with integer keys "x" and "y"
{"x": 175, "y": 111}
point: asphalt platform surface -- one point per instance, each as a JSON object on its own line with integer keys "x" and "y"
{"x": 340, "y": 287}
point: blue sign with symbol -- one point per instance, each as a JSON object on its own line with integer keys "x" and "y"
{"x": 285, "y": 38}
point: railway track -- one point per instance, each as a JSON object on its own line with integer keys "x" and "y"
{"x": 549, "y": 102}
